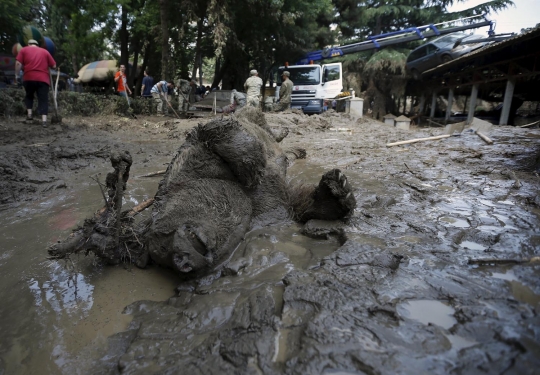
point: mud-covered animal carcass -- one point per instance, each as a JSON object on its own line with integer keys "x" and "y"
{"x": 226, "y": 179}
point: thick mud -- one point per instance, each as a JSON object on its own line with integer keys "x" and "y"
{"x": 437, "y": 271}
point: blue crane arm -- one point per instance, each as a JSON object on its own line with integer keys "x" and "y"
{"x": 395, "y": 37}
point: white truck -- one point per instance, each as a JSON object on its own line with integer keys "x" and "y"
{"x": 312, "y": 85}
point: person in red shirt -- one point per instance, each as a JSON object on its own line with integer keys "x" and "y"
{"x": 36, "y": 63}
{"x": 120, "y": 79}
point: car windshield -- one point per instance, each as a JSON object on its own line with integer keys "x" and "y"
{"x": 303, "y": 76}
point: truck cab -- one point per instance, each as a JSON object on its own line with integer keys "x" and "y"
{"x": 312, "y": 84}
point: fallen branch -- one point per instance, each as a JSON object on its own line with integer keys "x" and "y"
{"x": 152, "y": 174}
{"x": 138, "y": 208}
{"x": 418, "y": 140}
{"x": 40, "y": 144}
{"x": 36, "y": 145}
{"x": 531, "y": 124}
{"x": 484, "y": 261}
{"x": 107, "y": 206}
{"x": 435, "y": 123}
{"x": 484, "y": 137}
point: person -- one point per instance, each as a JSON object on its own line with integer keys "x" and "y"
{"x": 253, "y": 89}
{"x": 284, "y": 93}
{"x": 71, "y": 85}
{"x": 159, "y": 92}
{"x": 201, "y": 91}
{"x": 36, "y": 62}
{"x": 184, "y": 88}
{"x": 193, "y": 92}
{"x": 238, "y": 100}
{"x": 147, "y": 84}
{"x": 120, "y": 79}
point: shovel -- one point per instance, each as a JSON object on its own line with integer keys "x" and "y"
{"x": 169, "y": 104}
{"x": 477, "y": 126}
{"x": 56, "y": 118}
{"x": 480, "y": 128}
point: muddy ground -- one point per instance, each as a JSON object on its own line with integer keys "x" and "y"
{"x": 439, "y": 273}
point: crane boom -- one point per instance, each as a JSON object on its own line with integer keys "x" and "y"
{"x": 401, "y": 36}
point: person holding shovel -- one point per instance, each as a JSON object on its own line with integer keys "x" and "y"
{"x": 159, "y": 93}
{"x": 36, "y": 62}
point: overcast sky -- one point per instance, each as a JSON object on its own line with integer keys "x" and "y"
{"x": 525, "y": 13}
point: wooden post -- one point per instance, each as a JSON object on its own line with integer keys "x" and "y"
{"x": 422, "y": 105}
{"x": 508, "y": 94}
{"x": 472, "y": 103}
{"x": 433, "y": 104}
{"x": 450, "y": 103}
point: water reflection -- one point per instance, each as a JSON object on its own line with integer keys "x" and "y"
{"x": 56, "y": 316}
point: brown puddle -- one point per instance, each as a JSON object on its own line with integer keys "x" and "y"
{"x": 69, "y": 309}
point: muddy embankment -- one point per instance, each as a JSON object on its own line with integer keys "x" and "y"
{"x": 439, "y": 273}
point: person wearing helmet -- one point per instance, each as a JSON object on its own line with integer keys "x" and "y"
{"x": 253, "y": 89}
{"x": 284, "y": 93}
{"x": 36, "y": 62}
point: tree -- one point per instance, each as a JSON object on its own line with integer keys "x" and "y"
{"x": 258, "y": 34}
{"x": 80, "y": 30}
{"x": 14, "y": 14}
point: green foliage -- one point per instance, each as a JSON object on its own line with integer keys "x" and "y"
{"x": 386, "y": 62}
{"x": 14, "y": 14}
{"x": 80, "y": 30}
{"x": 370, "y": 17}
{"x": 73, "y": 104}
{"x": 11, "y": 102}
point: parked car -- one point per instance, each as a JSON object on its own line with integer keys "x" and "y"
{"x": 440, "y": 51}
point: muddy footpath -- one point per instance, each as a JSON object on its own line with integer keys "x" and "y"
{"x": 437, "y": 271}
